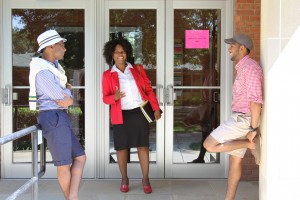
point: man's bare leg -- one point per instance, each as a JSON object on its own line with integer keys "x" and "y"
{"x": 76, "y": 175}
{"x": 234, "y": 175}
{"x": 64, "y": 179}
{"x": 69, "y": 177}
{"x": 213, "y": 145}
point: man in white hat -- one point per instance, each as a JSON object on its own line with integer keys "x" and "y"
{"x": 50, "y": 93}
{"x": 240, "y": 130}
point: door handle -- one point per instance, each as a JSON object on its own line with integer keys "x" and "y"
{"x": 170, "y": 96}
{"x": 6, "y": 93}
{"x": 216, "y": 97}
{"x": 158, "y": 89}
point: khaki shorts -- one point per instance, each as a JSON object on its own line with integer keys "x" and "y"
{"x": 236, "y": 127}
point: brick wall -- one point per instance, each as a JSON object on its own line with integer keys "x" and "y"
{"x": 247, "y": 20}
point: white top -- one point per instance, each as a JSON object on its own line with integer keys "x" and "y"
{"x": 37, "y": 65}
{"x": 133, "y": 97}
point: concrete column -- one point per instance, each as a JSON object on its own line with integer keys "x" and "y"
{"x": 280, "y": 59}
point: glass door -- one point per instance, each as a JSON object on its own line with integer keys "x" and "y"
{"x": 141, "y": 22}
{"x": 180, "y": 45}
{"x": 194, "y": 83}
{"x": 25, "y": 21}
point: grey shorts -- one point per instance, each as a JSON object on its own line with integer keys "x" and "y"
{"x": 61, "y": 140}
{"x": 234, "y": 128}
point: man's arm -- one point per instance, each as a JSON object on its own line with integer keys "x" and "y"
{"x": 47, "y": 83}
{"x": 67, "y": 101}
{"x": 254, "y": 78}
{"x": 255, "y": 109}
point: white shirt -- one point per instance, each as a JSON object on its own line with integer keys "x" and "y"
{"x": 133, "y": 97}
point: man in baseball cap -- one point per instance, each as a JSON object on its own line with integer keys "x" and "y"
{"x": 241, "y": 39}
{"x": 241, "y": 130}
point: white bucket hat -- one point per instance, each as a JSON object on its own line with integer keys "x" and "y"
{"x": 48, "y": 38}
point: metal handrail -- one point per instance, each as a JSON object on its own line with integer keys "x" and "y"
{"x": 35, "y": 174}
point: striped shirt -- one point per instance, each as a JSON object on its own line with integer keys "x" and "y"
{"x": 48, "y": 90}
{"x": 247, "y": 86}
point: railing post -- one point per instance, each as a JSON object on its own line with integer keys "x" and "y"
{"x": 33, "y": 182}
{"x": 34, "y": 139}
{"x": 42, "y": 157}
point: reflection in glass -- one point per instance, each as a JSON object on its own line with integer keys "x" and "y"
{"x": 194, "y": 119}
{"x": 27, "y": 24}
{"x": 196, "y": 110}
{"x": 139, "y": 27}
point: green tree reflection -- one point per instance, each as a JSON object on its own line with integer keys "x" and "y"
{"x": 29, "y": 23}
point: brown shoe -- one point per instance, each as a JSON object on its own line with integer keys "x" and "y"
{"x": 256, "y": 152}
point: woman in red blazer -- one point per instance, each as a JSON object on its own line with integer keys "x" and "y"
{"x": 125, "y": 87}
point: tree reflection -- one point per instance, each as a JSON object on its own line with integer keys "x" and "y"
{"x": 199, "y": 19}
{"x": 29, "y": 23}
{"x": 145, "y": 20}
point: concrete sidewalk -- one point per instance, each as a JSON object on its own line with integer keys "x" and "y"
{"x": 175, "y": 189}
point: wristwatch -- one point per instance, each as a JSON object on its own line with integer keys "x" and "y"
{"x": 252, "y": 129}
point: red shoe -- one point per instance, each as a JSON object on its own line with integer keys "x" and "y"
{"x": 124, "y": 185}
{"x": 147, "y": 186}
{"x": 147, "y": 189}
{"x": 124, "y": 188}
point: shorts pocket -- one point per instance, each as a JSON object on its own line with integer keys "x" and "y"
{"x": 242, "y": 119}
{"x": 53, "y": 119}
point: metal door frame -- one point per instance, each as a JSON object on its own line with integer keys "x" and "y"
{"x": 156, "y": 169}
{"x": 19, "y": 170}
{"x": 198, "y": 170}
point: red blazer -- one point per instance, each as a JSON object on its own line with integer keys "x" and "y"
{"x": 109, "y": 82}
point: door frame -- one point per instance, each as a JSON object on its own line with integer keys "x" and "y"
{"x": 96, "y": 34}
{"x": 213, "y": 170}
{"x": 156, "y": 170}
{"x": 164, "y": 167}
{"x": 23, "y": 170}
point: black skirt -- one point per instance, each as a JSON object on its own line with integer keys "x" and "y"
{"x": 134, "y": 132}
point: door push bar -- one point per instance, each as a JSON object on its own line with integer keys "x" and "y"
{"x": 216, "y": 97}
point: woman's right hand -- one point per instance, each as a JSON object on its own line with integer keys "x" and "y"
{"x": 118, "y": 94}
{"x": 157, "y": 114}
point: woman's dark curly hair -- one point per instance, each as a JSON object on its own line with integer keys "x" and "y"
{"x": 110, "y": 47}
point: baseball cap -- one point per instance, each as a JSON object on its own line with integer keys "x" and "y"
{"x": 241, "y": 39}
{"x": 48, "y": 38}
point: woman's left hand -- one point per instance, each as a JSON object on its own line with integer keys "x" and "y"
{"x": 157, "y": 114}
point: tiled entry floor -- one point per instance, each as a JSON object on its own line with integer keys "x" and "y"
{"x": 187, "y": 189}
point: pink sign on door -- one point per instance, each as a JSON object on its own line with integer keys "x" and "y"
{"x": 196, "y": 39}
